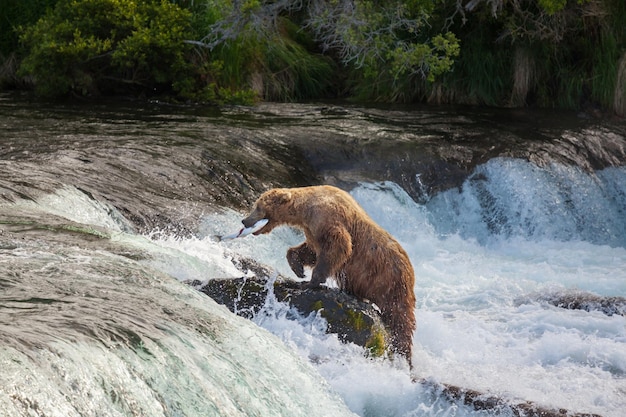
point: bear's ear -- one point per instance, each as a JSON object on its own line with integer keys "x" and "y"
{"x": 280, "y": 196}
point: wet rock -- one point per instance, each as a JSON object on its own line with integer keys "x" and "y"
{"x": 428, "y": 152}
{"x": 166, "y": 166}
{"x": 580, "y": 300}
{"x": 481, "y": 401}
{"x": 353, "y": 320}
{"x": 589, "y": 302}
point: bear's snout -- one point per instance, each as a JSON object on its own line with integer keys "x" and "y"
{"x": 253, "y": 219}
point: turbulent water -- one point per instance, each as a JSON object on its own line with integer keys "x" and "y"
{"x": 105, "y": 211}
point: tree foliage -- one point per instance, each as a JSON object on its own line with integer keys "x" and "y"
{"x": 88, "y": 46}
{"x": 382, "y": 44}
{"x": 14, "y": 13}
{"x": 558, "y": 53}
{"x": 551, "y": 53}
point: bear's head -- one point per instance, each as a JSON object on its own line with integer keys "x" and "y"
{"x": 273, "y": 205}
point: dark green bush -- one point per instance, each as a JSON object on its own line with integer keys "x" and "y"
{"x": 14, "y": 13}
{"x": 548, "y": 53}
{"x": 270, "y": 55}
{"x": 89, "y": 47}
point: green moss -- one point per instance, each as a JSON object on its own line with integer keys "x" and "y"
{"x": 355, "y": 319}
{"x": 377, "y": 343}
{"x": 317, "y": 306}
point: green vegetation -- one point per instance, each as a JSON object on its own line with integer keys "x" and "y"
{"x": 89, "y": 46}
{"x": 549, "y": 53}
{"x": 385, "y": 46}
{"x": 277, "y": 63}
{"x": 356, "y": 320}
{"x": 377, "y": 344}
{"x": 15, "y": 13}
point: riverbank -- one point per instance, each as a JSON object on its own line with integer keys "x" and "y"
{"x": 544, "y": 54}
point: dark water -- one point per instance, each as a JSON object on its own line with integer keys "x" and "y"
{"x": 105, "y": 207}
{"x": 146, "y": 159}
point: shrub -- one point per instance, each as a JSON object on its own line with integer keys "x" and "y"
{"x": 388, "y": 46}
{"x": 89, "y": 47}
{"x": 550, "y": 53}
{"x": 383, "y": 45}
{"x": 262, "y": 49}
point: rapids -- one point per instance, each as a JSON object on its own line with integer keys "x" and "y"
{"x": 105, "y": 209}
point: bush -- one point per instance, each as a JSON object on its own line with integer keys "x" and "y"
{"x": 88, "y": 47}
{"x": 14, "y": 13}
{"x": 384, "y": 46}
{"x": 389, "y": 47}
{"x": 260, "y": 48}
{"x": 549, "y": 53}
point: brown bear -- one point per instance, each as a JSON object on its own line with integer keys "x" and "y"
{"x": 344, "y": 243}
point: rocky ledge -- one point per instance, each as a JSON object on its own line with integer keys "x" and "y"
{"x": 352, "y": 320}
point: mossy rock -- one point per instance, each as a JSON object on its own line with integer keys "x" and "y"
{"x": 243, "y": 296}
{"x": 351, "y": 319}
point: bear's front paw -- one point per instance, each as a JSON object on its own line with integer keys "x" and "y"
{"x": 310, "y": 285}
{"x": 294, "y": 262}
{"x": 297, "y": 269}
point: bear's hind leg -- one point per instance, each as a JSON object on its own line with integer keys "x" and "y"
{"x": 299, "y": 257}
{"x": 401, "y": 324}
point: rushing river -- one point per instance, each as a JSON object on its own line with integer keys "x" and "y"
{"x": 106, "y": 209}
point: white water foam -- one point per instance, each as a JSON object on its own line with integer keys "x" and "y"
{"x": 220, "y": 365}
{"x": 512, "y": 198}
{"x": 89, "y": 332}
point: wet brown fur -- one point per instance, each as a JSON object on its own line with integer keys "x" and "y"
{"x": 344, "y": 243}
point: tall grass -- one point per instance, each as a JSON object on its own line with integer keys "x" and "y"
{"x": 290, "y": 72}
{"x": 619, "y": 98}
{"x": 279, "y": 64}
{"x": 502, "y": 66}
{"x": 606, "y": 56}
{"x": 524, "y": 76}
{"x": 482, "y": 75}
{"x": 8, "y": 71}
{"x": 277, "y": 69}
{"x": 618, "y": 29}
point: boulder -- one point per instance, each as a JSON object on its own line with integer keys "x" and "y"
{"x": 481, "y": 401}
{"x": 352, "y": 320}
{"x": 579, "y": 300}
